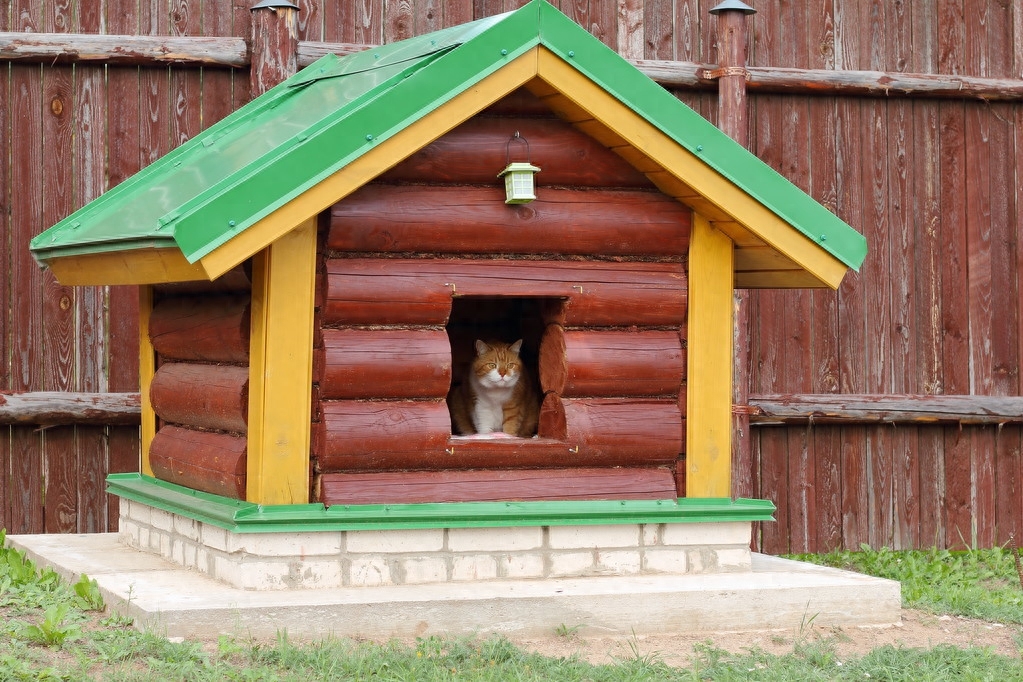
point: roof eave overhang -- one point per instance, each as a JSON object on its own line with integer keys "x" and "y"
{"x": 532, "y": 45}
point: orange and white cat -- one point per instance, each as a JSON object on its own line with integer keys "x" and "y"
{"x": 497, "y": 395}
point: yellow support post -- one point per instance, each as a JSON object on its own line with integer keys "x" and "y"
{"x": 280, "y": 368}
{"x": 147, "y": 368}
{"x": 709, "y": 389}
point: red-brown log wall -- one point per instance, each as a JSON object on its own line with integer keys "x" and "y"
{"x": 200, "y": 333}
{"x": 590, "y": 276}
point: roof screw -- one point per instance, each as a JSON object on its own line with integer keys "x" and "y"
{"x": 571, "y": 53}
{"x": 824, "y": 237}
{"x": 369, "y": 137}
{"x": 504, "y": 52}
{"x": 699, "y": 147}
{"x": 230, "y": 223}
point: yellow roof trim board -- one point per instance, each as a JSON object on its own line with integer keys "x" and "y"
{"x": 142, "y": 266}
{"x": 363, "y": 169}
{"x": 689, "y": 169}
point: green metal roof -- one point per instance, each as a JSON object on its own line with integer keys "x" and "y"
{"x": 288, "y": 140}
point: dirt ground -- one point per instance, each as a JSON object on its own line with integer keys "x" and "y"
{"x": 917, "y": 630}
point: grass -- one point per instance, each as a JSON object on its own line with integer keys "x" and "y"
{"x": 52, "y": 630}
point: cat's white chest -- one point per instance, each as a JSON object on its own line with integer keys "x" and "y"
{"x": 491, "y": 395}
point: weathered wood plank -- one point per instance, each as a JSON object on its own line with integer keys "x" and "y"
{"x": 52, "y": 408}
{"x": 472, "y": 220}
{"x": 385, "y": 363}
{"x": 274, "y": 47}
{"x": 232, "y": 52}
{"x": 418, "y": 429}
{"x": 478, "y": 486}
{"x": 211, "y": 397}
{"x": 59, "y": 48}
{"x": 211, "y": 329}
{"x": 828, "y": 408}
{"x": 413, "y": 291}
{"x": 474, "y": 152}
{"x": 955, "y": 326}
{"x": 201, "y": 460}
{"x": 611, "y": 363}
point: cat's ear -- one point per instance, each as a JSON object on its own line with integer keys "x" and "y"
{"x": 514, "y": 348}
{"x": 481, "y": 347}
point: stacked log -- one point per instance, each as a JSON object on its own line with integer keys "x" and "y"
{"x": 200, "y": 333}
{"x": 416, "y": 264}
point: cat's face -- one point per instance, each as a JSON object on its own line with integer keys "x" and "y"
{"x": 497, "y": 364}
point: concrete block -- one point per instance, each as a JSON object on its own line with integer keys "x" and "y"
{"x": 299, "y": 545}
{"x": 369, "y": 572}
{"x": 650, "y": 534}
{"x": 161, "y": 520}
{"x": 394, "y": 541}
{"x": 664, "y": 560}
{"x": 213, "y": 537}
{"x": 128, "y": 532}
{"x": 421, "y": 570}
{"x": 166, "y": 544}
{"x": 521, "y": 566}
{"x": 725, "y": 533}
{"x": 570, "y": 564}
{"x": 203, "y": 560}
{"x": 622, "y": 562}
{"x": 593, "y": 537}
{"x": 186, "y": 527}
{"x": 734, "y": 558}
{"x": 494, "y": 539}
{"x": 276, "y": 574}
{"x": 137, "y": 511}
{"x": 474, "y": 567}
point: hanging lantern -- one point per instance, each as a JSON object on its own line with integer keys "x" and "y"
{"x": 518, "y": 175}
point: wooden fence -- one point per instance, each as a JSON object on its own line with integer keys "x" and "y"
{"x": 903, "y": 118}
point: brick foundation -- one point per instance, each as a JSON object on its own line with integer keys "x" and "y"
{"x": 364, "y": 558}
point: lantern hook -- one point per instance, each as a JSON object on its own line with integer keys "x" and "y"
{"x": 507, "y": 149}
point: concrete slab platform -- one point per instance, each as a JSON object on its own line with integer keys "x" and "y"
{"x": 175, "y": 601}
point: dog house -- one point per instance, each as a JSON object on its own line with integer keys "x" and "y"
{"x": 315, "y": 268}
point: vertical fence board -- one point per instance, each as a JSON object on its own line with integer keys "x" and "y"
{"x": 902, "y": 241}
{"x": 90, "y": 335}
{"x": 6, "y": 285}
{"x": 59, "y": 302}
{"x": 955, "y": 320}
{"x": 26, "y": 306}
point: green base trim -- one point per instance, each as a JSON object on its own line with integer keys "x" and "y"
{"x": 247, "y": 517}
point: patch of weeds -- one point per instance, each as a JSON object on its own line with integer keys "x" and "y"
{"x": 567, "y": 631}
{"x": 52, "y": 630}
{"x": 89, "y": 596}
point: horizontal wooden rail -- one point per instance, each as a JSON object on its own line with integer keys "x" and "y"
{"x": 766, "y": 410}
{"x": 50, "y": 408}
{"x": 65, "y": 48}
{"x": 233, "y": 52}
{"x": 57, "y": 408}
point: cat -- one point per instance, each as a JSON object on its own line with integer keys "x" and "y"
{"x": 497, "y": 395}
